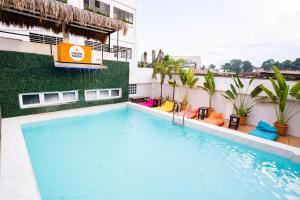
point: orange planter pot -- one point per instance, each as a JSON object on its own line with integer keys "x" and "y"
{"x": 243, "y": 120}
{"x": 281, "y": 129}
{"x": 210, "y": 110}
{"x": 183, "y": 106}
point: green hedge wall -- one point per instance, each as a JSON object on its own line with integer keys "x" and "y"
{"x": 27, "y": 72}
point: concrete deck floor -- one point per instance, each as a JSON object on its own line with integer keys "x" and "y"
{"x": 288, "y": 139}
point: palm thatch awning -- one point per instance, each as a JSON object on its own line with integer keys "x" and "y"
{"x": 53, "y": 15}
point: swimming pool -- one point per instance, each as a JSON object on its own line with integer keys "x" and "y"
{"x": 127, "y": 154}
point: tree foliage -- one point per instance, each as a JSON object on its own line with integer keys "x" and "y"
{"x": 285, "y": 65}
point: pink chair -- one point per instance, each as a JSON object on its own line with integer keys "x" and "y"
{"x": 150, "y": 103}
{"x": 190, "y": 113}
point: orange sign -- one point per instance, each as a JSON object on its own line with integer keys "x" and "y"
{"x": 74, "y": 53}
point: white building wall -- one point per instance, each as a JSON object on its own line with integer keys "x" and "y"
{"x": 137, "y": 75}
{"x": 261, "y": 111}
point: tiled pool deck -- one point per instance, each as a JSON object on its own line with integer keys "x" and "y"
{"x": 17, "y": 179}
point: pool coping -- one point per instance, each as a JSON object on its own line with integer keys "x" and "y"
{"x": 287, "y": 151}
{"x": 17, "y": 180}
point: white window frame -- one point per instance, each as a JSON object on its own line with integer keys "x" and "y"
{"x": 98, "y": 98}
{"x": 42, "y": 99}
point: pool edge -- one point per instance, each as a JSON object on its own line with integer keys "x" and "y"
{"x": 283, "y": 150}
{"x": 17, "y": 178}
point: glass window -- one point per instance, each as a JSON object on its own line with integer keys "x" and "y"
{"x": 115, "y": 93}
{"x": 47, "y": 98}
{"x": 123, "y": 15}
{"x": 103, "y": 93}
{"x": 97, "y": 4}
{"x": 51, "y": 98}
{"x": 69, "y": 96}
{"x": 122, "y": 52}
{"x": 91, "y": 95}
{"x": 31, "y": 99}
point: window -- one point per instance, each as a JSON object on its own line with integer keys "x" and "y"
{"x": 132, "y": 89}
{"x": 69, "y": 96}
{"x": 98, "y": 7}
{"x": 123, "y": 15}
{"x": 51, "y": 98}
{"x": 122, "y": 52}
{"x": 32, "y": 100}
{"x": 44, "y": 39}
{"x": 91, "y": 95}
{"x": 115, "y": 93}
{"x": 102, "y": 94}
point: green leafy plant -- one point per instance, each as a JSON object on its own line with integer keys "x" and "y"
{"x": 103, "y": 13}
{"x": 188, "y": 81}
{"x": 90, "y": 9}
{"x": 63, "y": 1}
{"x": 209, "y": 85}
{"x": 243, "y": 103}
{"x": 163, "y": 69}
{"x": 126, "y": 21}
{"x": 285, "y": 110}
{"x": 175, "y": 69}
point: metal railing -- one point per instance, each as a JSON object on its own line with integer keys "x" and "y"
{"x": 53, "y": 41}
{"x": 177, "y": 110}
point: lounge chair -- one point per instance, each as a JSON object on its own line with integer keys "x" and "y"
{"x": 191, "y": 113}
{"x": 264, "y": 130}
{"x": 216, "y": 119}
{"x": 150, "y": 103}
{"x": 168, "y": 106}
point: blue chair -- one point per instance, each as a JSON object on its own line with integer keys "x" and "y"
{"x": 264, "y": 130}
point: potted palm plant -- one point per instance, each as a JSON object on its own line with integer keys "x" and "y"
{"x": 163, "y": 69}
{"x": 175, "y": 68}
{"x": 242, "y": 102}
{"x": 188, "y": 81}
{"x": 210, "y": 87}
{"x": 285, "y": 110}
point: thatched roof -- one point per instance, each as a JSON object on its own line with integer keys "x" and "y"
{"x": 51, "y": 14}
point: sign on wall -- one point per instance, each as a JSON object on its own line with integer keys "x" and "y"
{"x": 74, "y": 53}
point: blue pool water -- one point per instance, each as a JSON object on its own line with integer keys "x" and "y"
{"x": 129, "y": 155}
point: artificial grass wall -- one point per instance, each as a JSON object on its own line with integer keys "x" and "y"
{"x": 27, "y": 73}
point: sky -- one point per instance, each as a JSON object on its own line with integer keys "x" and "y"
{"x": 220, "y": 30}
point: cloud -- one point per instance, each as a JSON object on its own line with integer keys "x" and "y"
{"x": 220, "y": 30}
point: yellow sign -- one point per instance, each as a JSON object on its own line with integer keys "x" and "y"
{"x": 74, "y": 53}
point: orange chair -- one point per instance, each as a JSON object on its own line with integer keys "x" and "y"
{"x": 216, "y": 119}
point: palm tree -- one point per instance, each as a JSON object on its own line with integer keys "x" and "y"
{"x": 175, "y": 66}
{"x": 163, "y": 69}
{"x": 209, "y": 86}
{"x": 188, "y": 81}
{"x": 284, "y": 109}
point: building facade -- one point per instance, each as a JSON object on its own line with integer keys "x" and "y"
{"x": 124, "y": 10}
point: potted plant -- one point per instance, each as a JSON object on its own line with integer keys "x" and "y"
{"x": 175, "y": 69}
{"x": 188, "y": 81}
{"x": 162, "y": 68}
{"x": 243, "y": 103}
{"x": 285, "y": 110}
{"x": 210, "y": 87}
